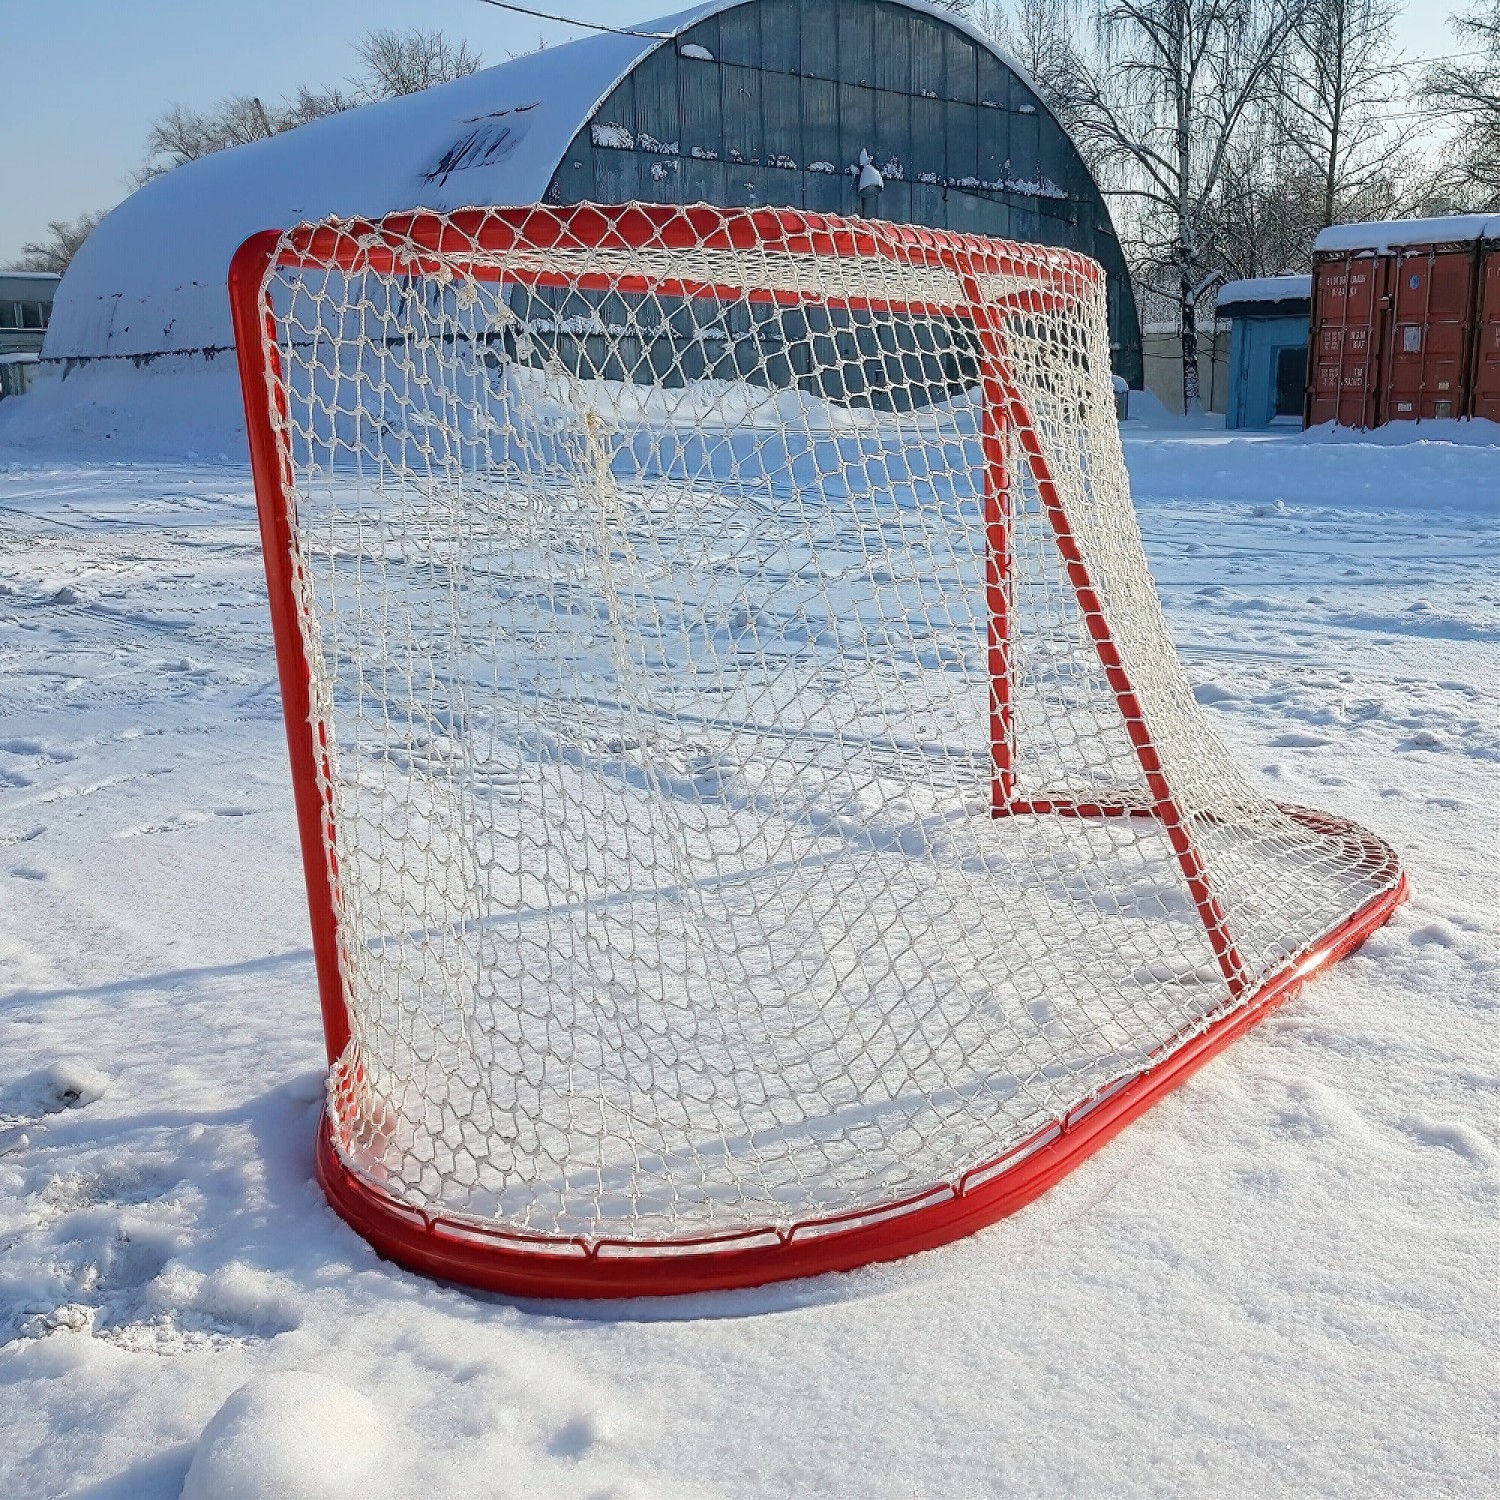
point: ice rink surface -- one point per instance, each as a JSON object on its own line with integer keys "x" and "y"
{"x": 1282, "y": 1281}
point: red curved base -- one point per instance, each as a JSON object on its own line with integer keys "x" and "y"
{"x": 468, "y": 1252}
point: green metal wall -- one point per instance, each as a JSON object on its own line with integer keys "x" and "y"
{"x": 793, "y": 90}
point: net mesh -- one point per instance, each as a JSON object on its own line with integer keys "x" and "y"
{"x": 679, "y": 619}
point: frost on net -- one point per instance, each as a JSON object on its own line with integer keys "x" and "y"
{"x": 736, "y": 812}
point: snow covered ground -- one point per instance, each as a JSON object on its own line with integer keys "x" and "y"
{"x": 1281, "y": 1282}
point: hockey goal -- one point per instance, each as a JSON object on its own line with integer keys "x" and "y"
{"x": 754, "y": 818}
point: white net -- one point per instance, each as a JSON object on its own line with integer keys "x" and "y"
{"x": 678, "y": 621}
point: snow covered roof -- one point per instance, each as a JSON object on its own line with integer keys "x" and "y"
{"x": 1392, "y": 234}
{"x": 1266, "y": 289}
{"x": 151, "y": 278}
{"x": 30, "y": 276}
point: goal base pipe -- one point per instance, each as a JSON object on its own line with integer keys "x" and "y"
{"x": 474, "y": 1254}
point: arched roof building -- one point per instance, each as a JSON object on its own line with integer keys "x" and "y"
{"x": 733, "y": 102}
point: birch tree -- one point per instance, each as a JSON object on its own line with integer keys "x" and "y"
{"x": 1162, "y": 99}
{"x": 1465, "y": 91}
{"x": 1337, "y": 85}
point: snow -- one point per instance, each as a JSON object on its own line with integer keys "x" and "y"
{"x": 151, "y": 278}
{"x": 1266, "y": 289}
{"x": 1390, "y": 235}
{"x": 290, "y": 1435}
{"x": 695, "y": 51}
{"x": 607, "y": 133}
{"x": 1278, "y": 1281}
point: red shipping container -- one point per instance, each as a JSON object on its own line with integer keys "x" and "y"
{"x": 1485, "y": 384}
{"x": 1348, "y": 334}
{"x": 1406, "y": 322}
{"x": 1431, "y": 323}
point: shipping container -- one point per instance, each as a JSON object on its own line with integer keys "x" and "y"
{"x": 1398, "y": 322}
{"x": 1432, "y": 320}
{"x": 1349, "y": 318}
{"x": 1485, "y": 382}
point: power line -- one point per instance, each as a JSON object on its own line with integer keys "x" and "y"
{"x": 1422, "y": 62}
{"x": 666, "y": 36}
{"x": 542, "y": 15}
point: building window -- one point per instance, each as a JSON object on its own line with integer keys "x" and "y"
{"x": 24, "y": 314}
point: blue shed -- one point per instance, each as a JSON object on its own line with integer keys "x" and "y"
{"x": 1269, "y": 320}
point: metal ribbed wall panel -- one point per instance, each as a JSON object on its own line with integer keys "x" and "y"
{"x": 791, "y": 92}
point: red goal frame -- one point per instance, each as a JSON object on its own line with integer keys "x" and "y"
{"x": 488, "y": 1257}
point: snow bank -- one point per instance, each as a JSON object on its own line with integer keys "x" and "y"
{"x": 1467, "y": 432}
{"x": 290, "y": 1436}
{"x": 1409, "y": 468}
{"x": 178, "y": 407}
{"x": 1145, "y": 409}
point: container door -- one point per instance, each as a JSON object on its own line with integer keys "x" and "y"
{"x": 1349, "y": 321}
{"x": 1486, "y": 398}
{"x": 1433, "y": 295}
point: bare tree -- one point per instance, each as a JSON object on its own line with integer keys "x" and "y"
{"x": 406, "y": 62}
{"x": 1163, "y": 101}
{"x": 1336, "y": 86}
{"x": 1466, "y": 91}
{"x": 309, "y": 104}
{"x": 1042, "y": 36}
{"x": 1261, "y": 218}
{"x": 395, "y": 63}
{"x": 63, "y": 240}
{"x": 181, "y": 135}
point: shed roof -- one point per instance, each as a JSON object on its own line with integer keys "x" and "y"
{"x": 1394, "y": 233}
{"x": 151, "y": 278}
{"x": 1266, "y": 289}
{"x": 1265, "y": 297}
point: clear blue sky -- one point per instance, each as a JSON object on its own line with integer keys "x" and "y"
{"x": 83, "y": 79}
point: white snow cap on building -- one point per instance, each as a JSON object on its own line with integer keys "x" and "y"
{"x": 151, "y": 279}
{"x": 1266, "y": 289}
{"x": 1393, "y": 234}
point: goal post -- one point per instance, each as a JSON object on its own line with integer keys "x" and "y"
{"x": 754, "y": 818}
